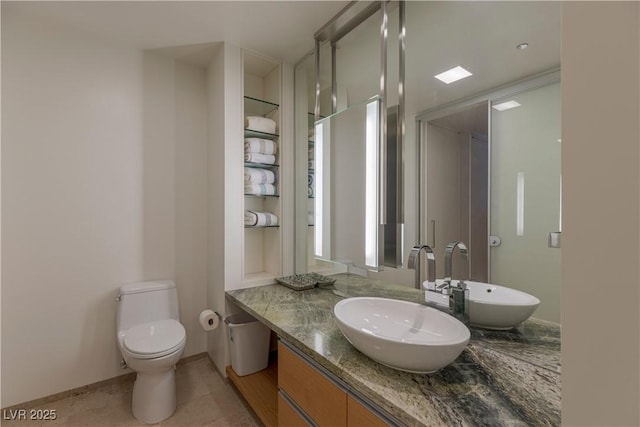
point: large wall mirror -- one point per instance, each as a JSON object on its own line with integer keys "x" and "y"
{"x": 501, "y": 44}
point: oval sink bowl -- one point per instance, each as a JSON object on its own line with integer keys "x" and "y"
{"x": 400, "y": 334}
{"x": 497, "y": 307}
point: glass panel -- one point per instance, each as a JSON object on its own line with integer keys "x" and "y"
{"x": 255, "y": 134}
{"x": 258, "y": 107}
{"x": 525, "y": 194}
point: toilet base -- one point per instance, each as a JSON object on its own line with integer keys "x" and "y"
{"x": 154, "y": 396}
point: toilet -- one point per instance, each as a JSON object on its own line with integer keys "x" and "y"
{"x": 151, "y": 340}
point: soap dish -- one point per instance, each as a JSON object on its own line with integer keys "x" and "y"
{"x": 301, "y": 282}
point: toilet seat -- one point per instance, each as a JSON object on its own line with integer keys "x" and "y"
{"x": 154, "y": 339}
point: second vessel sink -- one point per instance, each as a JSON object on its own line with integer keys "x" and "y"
{"x": 400, "y": 334}
{"x": 494, "y": 306}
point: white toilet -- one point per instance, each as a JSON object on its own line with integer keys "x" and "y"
{"x": 151, "y": 340}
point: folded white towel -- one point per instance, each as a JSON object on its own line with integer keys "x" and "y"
{"x": 260, "y": 219}
{"x": 310, "y": 219}
{"x": 260, "y": 145}
{"x": 259, "y": 176}
{"x": 260, "y": 189}
{"x": 267, "y": 159}
{"x": 260, "y": 124}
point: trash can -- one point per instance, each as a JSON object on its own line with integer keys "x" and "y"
{"x": 249, "y": 344}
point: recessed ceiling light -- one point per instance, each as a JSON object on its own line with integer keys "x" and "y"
{"x": 453, "y": 75}
{"x": 506, "y": 105}
{"x": 522, "y": 46}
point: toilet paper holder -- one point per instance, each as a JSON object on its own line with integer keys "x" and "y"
{"x": 209, "y": 319}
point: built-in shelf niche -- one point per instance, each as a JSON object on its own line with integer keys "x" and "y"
{"x": 262, "y": 260}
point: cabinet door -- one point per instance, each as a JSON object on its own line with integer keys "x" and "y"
{"x": 288, "y": 416}
{"x": 317, "y": 396}
{"x": 359, "y": 416}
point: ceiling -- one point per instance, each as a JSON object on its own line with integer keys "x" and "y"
{"x": 280, "y": 29}
{"x": 479, "y": 35}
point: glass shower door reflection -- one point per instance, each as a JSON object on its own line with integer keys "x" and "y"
{"x": 525, "y": 200}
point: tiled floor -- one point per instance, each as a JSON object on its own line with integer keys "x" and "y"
{"x": 204, "y": 399}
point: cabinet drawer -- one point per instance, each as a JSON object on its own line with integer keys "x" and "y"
{"x": 288, "y": 416}
{"x": 317, "y": 396}
{"x": 359, "y": 416}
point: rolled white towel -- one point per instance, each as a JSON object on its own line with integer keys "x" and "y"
{"x": 260, "y": 189}
{"x": 260, "y": 145}
{"x": 310, "y": 179}
{"x": 267, "y": 159}
{"x": 260, "y": 219}
{"x": 310, "y": 191}
{"x": 260, "y": 124}
{"x": 259, "y": 176}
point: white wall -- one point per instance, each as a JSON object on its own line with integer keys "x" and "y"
{"x": 90, "y": 181}
{"x": 225, "y": 189}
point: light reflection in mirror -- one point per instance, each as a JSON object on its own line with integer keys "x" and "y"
{"x": 371, "y": 185}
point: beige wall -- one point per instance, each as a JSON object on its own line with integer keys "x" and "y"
{"x": 600, "y": 252}
{"x": 100, "y": 142}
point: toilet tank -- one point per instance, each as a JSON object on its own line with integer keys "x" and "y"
{"x": 146, "y": 302}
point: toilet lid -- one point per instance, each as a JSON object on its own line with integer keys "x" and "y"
{"x": 153, "y": 338}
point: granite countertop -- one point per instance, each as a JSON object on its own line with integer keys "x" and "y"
{"x": 509, "y": 378}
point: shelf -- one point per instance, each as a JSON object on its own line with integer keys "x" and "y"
{"x": 261, "y": 195}
{"x": 261, "y": 226}
{"x": 258, "y": 107}
{"x": 259, "y": 278}
{"x": 260, "y": 165}
{"x": 260, "y": 390}
{"x": 250, "y": 133}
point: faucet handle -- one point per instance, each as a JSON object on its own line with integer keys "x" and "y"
{"x": 429, "y": 286}
{"x": 444, "y": 285}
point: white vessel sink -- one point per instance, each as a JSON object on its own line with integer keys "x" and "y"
{"x": 496, "y": 307}
{"x": 400, "y": 334}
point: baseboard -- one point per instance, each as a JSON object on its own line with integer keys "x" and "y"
{"x": 128, "y": 377}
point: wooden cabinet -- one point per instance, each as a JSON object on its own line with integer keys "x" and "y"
{"x": 317, "y": 396}
{"x": 359, "y": 416}
{"x": 289, "y": 416}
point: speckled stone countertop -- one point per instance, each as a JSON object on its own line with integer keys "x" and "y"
{"x": 502, "y": 378}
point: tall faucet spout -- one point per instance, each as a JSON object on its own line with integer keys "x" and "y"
{"x": 448, "y": 254}
{"x": 414, "y": 262}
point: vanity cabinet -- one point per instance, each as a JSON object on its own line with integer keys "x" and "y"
{"x": 288, "y": 415}
{"x": 308, "y": 396}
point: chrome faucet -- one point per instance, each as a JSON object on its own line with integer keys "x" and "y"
{"x": 414, "y": 262}
{"x": 448, "y": 261}
{"x": 458, "y": 294}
